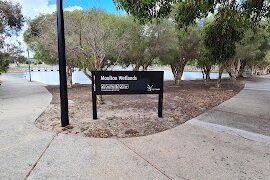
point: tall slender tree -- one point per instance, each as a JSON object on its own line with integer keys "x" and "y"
{"x": 11, "y": 22}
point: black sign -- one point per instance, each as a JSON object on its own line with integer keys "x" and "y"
{"x": 127, "y": 82}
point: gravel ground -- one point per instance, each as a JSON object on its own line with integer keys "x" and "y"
{"x": 135, "y": 115}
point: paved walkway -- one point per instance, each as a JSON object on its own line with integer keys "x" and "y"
{"x": 229, "y": 142}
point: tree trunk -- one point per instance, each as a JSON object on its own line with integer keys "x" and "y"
{"x": 203, "y": 75}
{"x": 89, "y": 76}
{"x": 100, "y": 99}
{"x": 206, "y": 70}
{"x": 178, "y": 70}
{"x": 220, "y": 71}
{"x": 264, "y": 70}
{"x": 145, "y": 67}
{"x": 252, "y": 70}
{"x": 241, "y": 69}
{"x": 233, "y": 76}
{"x": 207, "y": 73}
{"x": 177, "y": 79}
{"x": 232, "y": 69}
{"x": 238, "y": 66}
{"x": 136, "y": 68}
{"x": 69, "y": 76}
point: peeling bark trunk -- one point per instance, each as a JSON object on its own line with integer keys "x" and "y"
{"x": 203, "y": 75}
{"x": 100, "y": 99}
{"x": 241, "y": 69}
{"x": 252, "y": 70}
{"x": 232, "y": 69}
{"x": 264, "y": 70}
{"x": 69, "y": 76}
{"x": 206, "y": 70}
{"x": 178, "y": 70}
{"x": 238, "y": 66}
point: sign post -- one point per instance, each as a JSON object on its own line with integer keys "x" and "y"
{"x": 94, "y": 97}
{"x": 62, "y": 64}
{"x": 127, "y": 82}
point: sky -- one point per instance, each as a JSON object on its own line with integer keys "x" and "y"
{"x": 33, "y": 8}
{"x": 106, "y": 5}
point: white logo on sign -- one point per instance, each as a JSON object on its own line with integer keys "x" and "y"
{"x": 149, "y": 88}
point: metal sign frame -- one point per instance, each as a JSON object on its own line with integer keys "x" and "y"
{"x": 127, "y": 82}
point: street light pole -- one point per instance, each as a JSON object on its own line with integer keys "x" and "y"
{"x": 62, "y": 64}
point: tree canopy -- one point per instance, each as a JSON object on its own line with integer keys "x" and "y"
{"x": 168, "y": 32}
{"x": 146, "y": 10}
{"x": 11, "y": 22}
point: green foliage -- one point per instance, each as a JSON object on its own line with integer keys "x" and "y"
{"x": 256, "y": 10}
{"x": 205, "y": 59}
{"x": 145, "y": 43}
{"x": 222, "y": 35}
{"x": 146, "y": 10}
{"x": 4, "y": 62}
{"x": 11, "y": 18}
{"x": 188, "y": 11}
{"x": 157, "y": 61}
{"x": 94, "y": 39}
{"x": 11, "y": 21}
{"x": 168, "y": 52}
{"x": 252, "y": 46}
{"x": 179, "y": 45}
{"x": 41, "y": 38}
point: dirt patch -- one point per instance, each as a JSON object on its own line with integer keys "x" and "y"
{"x": 135, "y": 115}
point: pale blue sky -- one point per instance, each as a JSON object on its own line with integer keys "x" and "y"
{"x": 106, "y": 5}
{"x": 33, "y": 8}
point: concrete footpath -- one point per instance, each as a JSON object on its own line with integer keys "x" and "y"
{"x": 230, "y": 141}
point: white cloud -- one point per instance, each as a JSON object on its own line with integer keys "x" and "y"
{"x": 73, "y": 8}
{"x": 33, "y": 8}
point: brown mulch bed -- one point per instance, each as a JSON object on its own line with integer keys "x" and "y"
{"x": 135, "y": 115}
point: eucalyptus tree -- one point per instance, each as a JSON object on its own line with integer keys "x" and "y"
{"x": 147, "y": 10}
{"x": 4, "y": 62}
{"x": 189, "y": 11}
{"x": 264, "y": 65}
{"x": 205, "y": 62}
{"x": 221, "y": 37}
{"x": 94, "y": 39}
{"x": 178, "y": 47}
{"x": 41, "y": 38}
{"x": 224, "y": 32}
{"x": 249, "y": 51}
{"x": 134, "y": 53}
{"x": 143, "y": 44}
{"x": 11, "y": 22}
